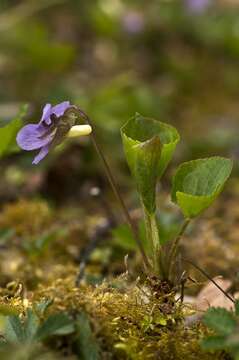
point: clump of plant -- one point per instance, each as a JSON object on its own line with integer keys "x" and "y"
{"x": 149, "y": 146}
{"x": 224, "y": 325}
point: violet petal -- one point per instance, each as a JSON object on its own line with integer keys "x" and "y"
{"x": 42, "y": 153}
{"x": 59, "y": 109}
{"x": 34, "y": 136}
{"x": 46, "y": 114}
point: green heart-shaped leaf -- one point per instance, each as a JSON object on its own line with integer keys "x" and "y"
{"x": 8, "y": 132}
{"x": 149, "y": 145}
{"x": 197, "y": 183}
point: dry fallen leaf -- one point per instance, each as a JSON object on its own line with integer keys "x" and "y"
{"x": 210, "y": 295}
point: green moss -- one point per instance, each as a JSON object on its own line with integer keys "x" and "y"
{"x": 26, "y": 217}
{"x": 129, "y": 322}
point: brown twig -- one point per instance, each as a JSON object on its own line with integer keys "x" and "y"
{"x": 209, "y": 278}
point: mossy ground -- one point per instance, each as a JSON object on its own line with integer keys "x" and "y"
{"x": 128, "y": 320}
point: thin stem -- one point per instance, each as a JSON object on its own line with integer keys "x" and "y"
{"x": 153, "y": 238}
{"x": 116, "y": 190}
{"x": 174, "y": 248}
{"x": 209, "y": 278}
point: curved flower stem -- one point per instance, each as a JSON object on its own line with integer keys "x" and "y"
{"x": 174, "y": 247}
{"x": 116, "y": 190}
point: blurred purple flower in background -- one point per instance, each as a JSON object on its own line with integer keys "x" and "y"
{"x": 133, "y": 22}
{"x": 197, "y": 6}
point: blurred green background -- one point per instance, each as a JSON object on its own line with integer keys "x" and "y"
{"x": 176, "y": 61}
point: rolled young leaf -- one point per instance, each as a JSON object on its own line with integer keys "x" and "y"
{"x": 149, "y": 145}
{"x": 197, "y": 183}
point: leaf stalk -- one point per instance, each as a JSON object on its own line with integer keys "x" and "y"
{"x": 174, "y": 248}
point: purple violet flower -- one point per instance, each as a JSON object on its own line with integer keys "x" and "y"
{"x": 55, "y": 123}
